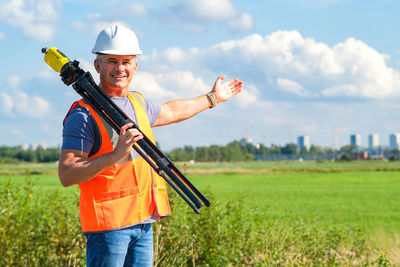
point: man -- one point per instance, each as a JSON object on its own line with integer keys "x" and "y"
{"x": 120, "y": 194}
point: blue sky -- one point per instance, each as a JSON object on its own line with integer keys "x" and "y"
{"x": 326, "y": 68}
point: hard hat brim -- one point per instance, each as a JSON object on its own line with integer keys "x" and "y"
{"x": 120, "y": 53}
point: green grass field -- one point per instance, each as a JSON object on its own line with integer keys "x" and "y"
{"x": 354, "y": 194}
{"x": 364, "y": 193}
{"x": 345, "y": 197}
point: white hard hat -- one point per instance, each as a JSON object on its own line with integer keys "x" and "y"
{"x": 117, "y": 40}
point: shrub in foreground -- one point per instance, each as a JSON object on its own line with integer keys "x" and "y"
{"x": 41, "y": 228}
{"x": 223, "y": 236}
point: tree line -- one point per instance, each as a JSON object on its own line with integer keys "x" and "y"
{"x": 16, "y": 154}
{"x": 239, "y": 151}
{"x": 233, "y": 151}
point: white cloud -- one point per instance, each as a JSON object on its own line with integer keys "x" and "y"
{"x": 148, "y": 84}
{"x": 2, "y": 36}
{"x": 37, "y": 18}
{"x": 341, "y": 90}
{"x": 99, "y": 25}
{"x": 209, "y": 9}
{"x": 248, "y": 96}
{"x": 14, "y": 81}
{"x": 198, "y": 12}
{"x": 281, "y": 52}
{"x": 48, "y": 73}
{"x": 243, "y": 23}
{"x": 125, "y": 11}
{"x": 189, "y": 15}
{"x": 134, "y": 10}
{"x": 80, "y": 26}
{"x": 291, "y": 87}
{"x": 292, "y": 63}
{"x": 168, "y": 86}
{"x": 14, "y": 101}
{"x": 184, "y": 84}
{"x": 6, "y": 103}
{"x": 95, "y": 22}
{"x": 174, "y": 55}
{"x": 366, "y": 72}
{"x": 193, "y": 28}
{"x": 24, "y": 105}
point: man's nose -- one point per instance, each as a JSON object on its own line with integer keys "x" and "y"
{"x": 120, "y": 67}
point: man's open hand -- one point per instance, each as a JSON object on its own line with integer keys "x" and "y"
{"x": 226, "y": 90}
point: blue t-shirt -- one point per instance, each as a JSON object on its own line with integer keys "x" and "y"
{"x": 80, "y": 130}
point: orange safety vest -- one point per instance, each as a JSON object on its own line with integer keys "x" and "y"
{"x": 128, "y": 192}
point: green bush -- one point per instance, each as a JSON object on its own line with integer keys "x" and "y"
{"x": 216, "y": 237}
{"x": 345, "y": 157}
{"x": 222, "y": 236}
{"x": 41, "y": 228}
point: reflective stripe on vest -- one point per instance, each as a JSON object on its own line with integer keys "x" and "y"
{"x": 127, "y": 193}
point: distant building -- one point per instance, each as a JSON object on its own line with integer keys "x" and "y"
{"x": 394, "y": 141}
{"x": 359, "y": 155}
{"x": 376, "y": 154}
{"x": 43, "y": 145}
{"x": 33, "y": 146}
{"x": 246, "y": 140}
{"x": 373, "y": 141}
{"x": 25, "y": 146}
{"x": 303, "y": 141}
{"x": 355, "y": 140}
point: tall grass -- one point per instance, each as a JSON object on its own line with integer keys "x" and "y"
{"x": 222, "y": 236}
{"x": 40, "y": 227}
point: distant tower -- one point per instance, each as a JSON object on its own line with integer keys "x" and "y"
{"x": 265, "y": 139}
{"x": 394, "y": 141}
{"x": 335, "y": 139}
{"x": 373, "y": 141}
{"x": 355, "y": 140}
{"x": 245, "y": 139}
{"x": 303, "y": 141}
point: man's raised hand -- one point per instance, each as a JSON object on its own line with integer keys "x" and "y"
{"x": 226, "y": 90}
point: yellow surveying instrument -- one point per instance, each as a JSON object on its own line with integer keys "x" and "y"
{"x": 84, "y": 85}
{"x": 55, "y": 58}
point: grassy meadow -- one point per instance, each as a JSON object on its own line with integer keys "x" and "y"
{"x": 288, "y": 213}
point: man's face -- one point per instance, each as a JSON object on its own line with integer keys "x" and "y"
{"x": 116, "y": 71}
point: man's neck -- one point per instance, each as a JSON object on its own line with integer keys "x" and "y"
{"x": 114, "y": 92}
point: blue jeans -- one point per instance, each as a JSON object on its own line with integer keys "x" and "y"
{"x": 131, "y": 246}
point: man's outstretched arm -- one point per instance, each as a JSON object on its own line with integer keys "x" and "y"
{"x": 179, "y": 110}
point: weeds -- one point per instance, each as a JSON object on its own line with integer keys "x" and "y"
{"x": 41, "y": 228}
{"x": 38, "y": 228}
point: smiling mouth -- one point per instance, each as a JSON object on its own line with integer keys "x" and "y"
{"x": 118, "y": 77}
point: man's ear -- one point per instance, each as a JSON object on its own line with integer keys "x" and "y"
{"x": 96, "y": 65}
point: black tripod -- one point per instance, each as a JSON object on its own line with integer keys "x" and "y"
{"x": 85, "y": 86}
